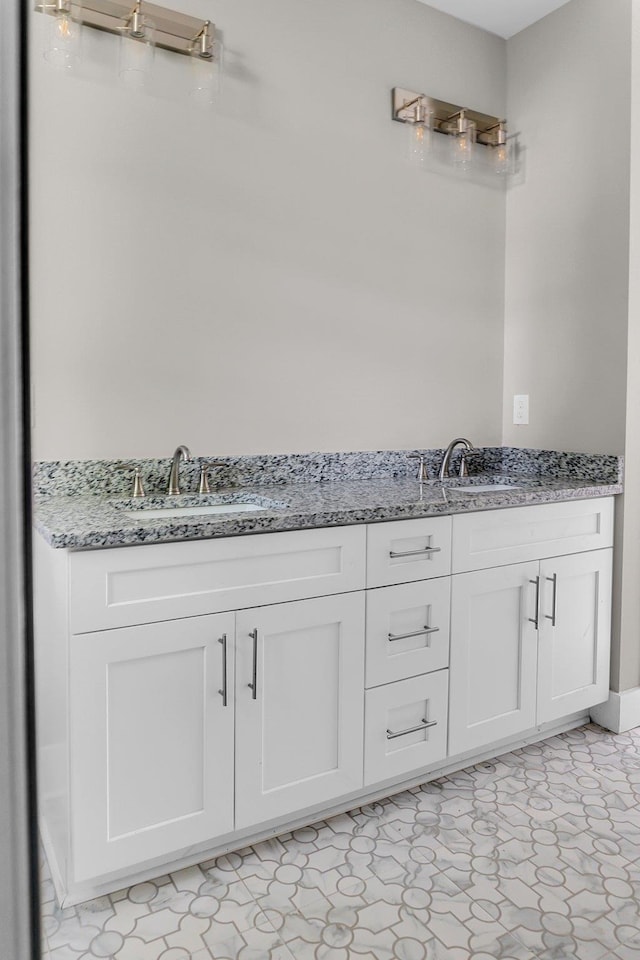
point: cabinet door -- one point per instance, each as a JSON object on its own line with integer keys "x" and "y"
{"x": 493, "y": 655}
{"x": 575, "y": 633}
{"x": 151, "y": 741}
{"x": 299, "y": 705}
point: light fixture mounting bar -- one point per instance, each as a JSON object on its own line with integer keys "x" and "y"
{"x": 443, "y": 114}
{"x": 173, "y": 30}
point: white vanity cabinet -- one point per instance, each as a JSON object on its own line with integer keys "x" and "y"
{"x": 529, "y": 641}
{"x": 196, "y": 696}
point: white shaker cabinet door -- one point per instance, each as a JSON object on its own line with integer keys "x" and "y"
{"x": 299, "y": 705}
{"x": 151, "y": 741}
{"x": 575, "y": 633}
{"x": 494, "y": 643}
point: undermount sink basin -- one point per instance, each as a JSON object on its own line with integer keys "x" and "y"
{"x": 166, "y": 513}
{"x": 486, "y": 488}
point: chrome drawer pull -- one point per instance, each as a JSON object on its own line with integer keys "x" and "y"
{"x": 403, "y": 733}
{"x": 416, "y": 633}
{"x": 554, "y": 581}
{"x": 535, "y": 620}
{"x": 223, "y": 692}
{"x": 254, "y": 685}
{"x": 414, "y": 553}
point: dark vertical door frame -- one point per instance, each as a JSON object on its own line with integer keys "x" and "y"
{"x": 19, "y": 931}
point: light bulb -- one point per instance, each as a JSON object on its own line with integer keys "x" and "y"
{"x": 464, "y": 138}
{"x": 420, "y": 135}
{"x": 62, "y": 44}
{"x": 501, "y": 152}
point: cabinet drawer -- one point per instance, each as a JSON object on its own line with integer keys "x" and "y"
{"x": 131, "y": 585}
{"x": 392, "y": 747}
{"x": 407, "y": 550}
{"x": 407, "y": 630}
{"x": 497, "y": 537}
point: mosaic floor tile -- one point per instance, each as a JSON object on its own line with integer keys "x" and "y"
{"x": 533, "y": 855}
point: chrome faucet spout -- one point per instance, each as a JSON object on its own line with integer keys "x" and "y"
{"x": 444, "y": 467}
{"x": 181, "y": 453}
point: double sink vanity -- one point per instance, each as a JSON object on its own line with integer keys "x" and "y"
{"x": 215, "y": 668}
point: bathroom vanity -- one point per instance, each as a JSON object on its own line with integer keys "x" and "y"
{"x": 197, "y": 695}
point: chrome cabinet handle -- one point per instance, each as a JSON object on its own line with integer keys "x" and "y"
{"x": 254, "y": 685}
{"x": 552, "y": 617}
{"x": 415, "y": 553}
{"x": 416, "y": 633}
{"x": 223, "y": 692}
{"x": 423, "y": 725}
{"x": 534, "y": 620}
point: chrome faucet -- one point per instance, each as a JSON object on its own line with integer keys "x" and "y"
{"x": 444, "y": 467}
{"x": 182, "y": 453}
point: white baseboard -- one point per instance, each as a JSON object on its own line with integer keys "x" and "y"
{"x": 620, "y": 712}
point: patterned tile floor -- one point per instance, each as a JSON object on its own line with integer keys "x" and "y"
{"x": 533, "y": 855}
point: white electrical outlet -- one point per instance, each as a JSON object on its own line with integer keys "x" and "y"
{"x": 521, "y": 408}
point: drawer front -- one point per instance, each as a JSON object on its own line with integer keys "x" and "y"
{"x": 131, "y": 585}
{"x": 495, "y": 538}
{"x": 407, "y": 630}
{"x": 392, "y": 747}
{"x": 407, "y": 550}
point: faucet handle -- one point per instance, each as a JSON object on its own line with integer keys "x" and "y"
{"x": 204, "y": 474}
{"x": 138, "y": 489}
{"x": 464, "y": 466}
{"x": 422, "y": 467}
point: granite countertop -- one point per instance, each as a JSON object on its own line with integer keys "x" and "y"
{"x": 93, "y": 521}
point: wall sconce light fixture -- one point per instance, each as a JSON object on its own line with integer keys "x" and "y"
{"x": 426, "y": 116}
{"x": 141, "y": 27}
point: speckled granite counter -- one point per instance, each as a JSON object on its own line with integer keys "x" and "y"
{"x": 93, "y": 520}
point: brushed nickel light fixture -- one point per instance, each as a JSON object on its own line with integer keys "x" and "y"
{"x": 468, "y": 129}
{"x": 142, "y": 26}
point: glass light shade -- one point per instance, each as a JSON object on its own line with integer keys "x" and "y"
{"x": 62, "y": 39}
{"x": 463, "y": 143}
{"x": 206, "y": 75}
{"x": 502, "y": 154}
{"x": 136, "y": 55}
{"x": 420, "y": 134}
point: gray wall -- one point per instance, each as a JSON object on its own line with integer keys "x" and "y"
{"x": 275, "y": 277}
{"x": 567, "y": 229}
{"x": 569, "y": 294}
